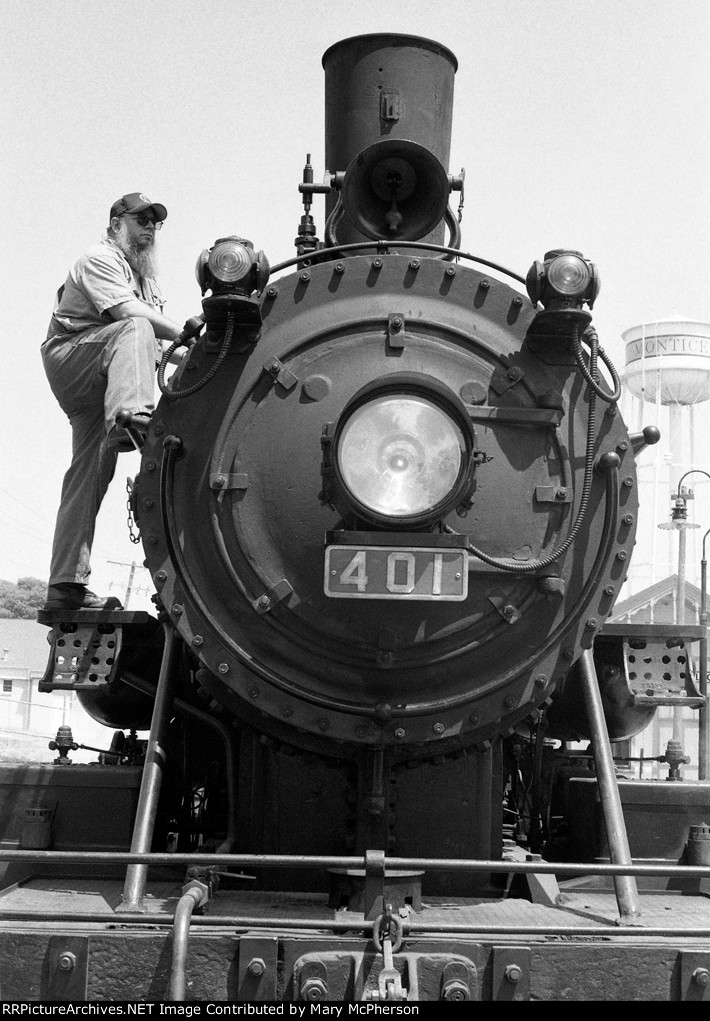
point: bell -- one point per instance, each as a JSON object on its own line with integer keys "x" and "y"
{"x": 395, "y": 190}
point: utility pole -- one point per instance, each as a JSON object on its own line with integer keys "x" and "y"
{"x": 131, "y": 574}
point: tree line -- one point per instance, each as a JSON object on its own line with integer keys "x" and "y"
{"x": 23, "y": 599}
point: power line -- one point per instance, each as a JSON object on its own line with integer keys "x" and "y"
{"x": 133, "y": 566}
{"x": 26, "y": 506}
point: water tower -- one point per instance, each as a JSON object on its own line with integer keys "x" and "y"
{"x": 667, "y": 382}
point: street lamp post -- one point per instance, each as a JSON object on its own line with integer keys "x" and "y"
{"x": 679, "y": 522}
{"x": 703, "y": 728}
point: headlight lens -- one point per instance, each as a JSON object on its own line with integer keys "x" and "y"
{"x": 401, "y": 455}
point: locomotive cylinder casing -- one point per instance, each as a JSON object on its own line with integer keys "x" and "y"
{"x": 393, "y": 87}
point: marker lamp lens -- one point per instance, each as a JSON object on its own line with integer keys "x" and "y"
{"x": 569, "y": 275}
{"x": 229, "y": 262}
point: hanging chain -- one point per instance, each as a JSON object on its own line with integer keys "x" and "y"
{"x": 135, "y": 537}
{"x": 460, "y": 209}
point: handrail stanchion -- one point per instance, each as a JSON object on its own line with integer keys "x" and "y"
{"x": 137, "y": 875}
{"x": 703, "y": 728}
{"x": 617, "y": 839}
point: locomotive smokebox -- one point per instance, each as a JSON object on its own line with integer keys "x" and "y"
{"x": 388, "y": 109}
{"x": 362, "y": 521}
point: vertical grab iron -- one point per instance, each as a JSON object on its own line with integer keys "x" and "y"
{"x": 137, "y": 875}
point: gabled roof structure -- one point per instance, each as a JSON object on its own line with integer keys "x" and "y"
{"x": 657, "y": 604}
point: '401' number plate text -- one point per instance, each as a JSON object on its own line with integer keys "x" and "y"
{"x": 402, "y": 572}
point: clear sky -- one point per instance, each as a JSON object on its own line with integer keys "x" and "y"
{"x": 579, "y": 124}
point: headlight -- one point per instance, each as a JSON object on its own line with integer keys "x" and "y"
{"x": 402, "y": 453}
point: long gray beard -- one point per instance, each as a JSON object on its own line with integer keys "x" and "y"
{"x": 142, "y": 260}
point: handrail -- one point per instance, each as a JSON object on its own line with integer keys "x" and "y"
{"x": 381, "y": 247}
{"x": 266, "y": 861}
{"x": 356, "y": 923}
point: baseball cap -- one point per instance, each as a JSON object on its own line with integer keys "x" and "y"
{"x": 137, "y": 202}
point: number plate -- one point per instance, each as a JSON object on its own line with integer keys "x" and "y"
{"x": 402, "y": 572}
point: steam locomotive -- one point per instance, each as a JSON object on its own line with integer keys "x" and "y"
{"x": 388, "y": 502}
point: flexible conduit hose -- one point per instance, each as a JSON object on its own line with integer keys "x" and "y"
{"x": 535, "y": 565}
{"x": 592, "y": 336}
{"x": 176, "y": 395}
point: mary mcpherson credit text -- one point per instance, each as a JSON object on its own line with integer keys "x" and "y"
{"x": 293, "y": 1010}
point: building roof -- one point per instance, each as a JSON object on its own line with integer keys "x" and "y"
{"x": 23, "y": 644}
{"x": 658, "y": 596}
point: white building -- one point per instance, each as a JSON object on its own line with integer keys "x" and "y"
{"x": 29, "y": 719}
{"x": 667, "y": 384}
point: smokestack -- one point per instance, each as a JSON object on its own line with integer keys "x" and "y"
{"x": 388, "y": 110}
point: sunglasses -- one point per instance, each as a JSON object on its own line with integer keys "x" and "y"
{"x": 142, "y": 220}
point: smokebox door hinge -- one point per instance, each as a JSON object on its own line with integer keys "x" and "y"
{"x": 227, "y": 480}
{"x": 553, "y": 494}
{"x": 283, "y": 376}
{"x": 508, "y": 610}
{"x": 267, "y": 600}
{"x": 395, "y": 330}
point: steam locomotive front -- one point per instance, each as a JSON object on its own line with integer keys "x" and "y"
{"x": 387, "y": 501}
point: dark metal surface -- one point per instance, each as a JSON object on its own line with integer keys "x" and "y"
{"x": 243, "y": 541}
{"x": 84, "y": 657}
{"x": 695, "y": 976}
{"x": 511, "y": 973}
{"x": 562, "y": 952}
{"x": 367, "y": 793}
{"x": 67, "y": 963}
{"x": 386, "y": 87}
{"x": 258, "y": 964}
{"x": 86, "y": 645}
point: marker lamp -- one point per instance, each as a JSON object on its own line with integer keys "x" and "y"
{"x": 229, "y": 261}
{"x": 565, "y": 279}
{"x": 231, "y": 266}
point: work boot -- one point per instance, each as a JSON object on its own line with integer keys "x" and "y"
{"x": 119, "y": 437}
{"x": 71, "y": 596}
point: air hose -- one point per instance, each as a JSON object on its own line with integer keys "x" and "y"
{"x": 187, "y": 391}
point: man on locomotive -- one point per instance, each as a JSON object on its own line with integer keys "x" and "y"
{"x": 100, "y": 355}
